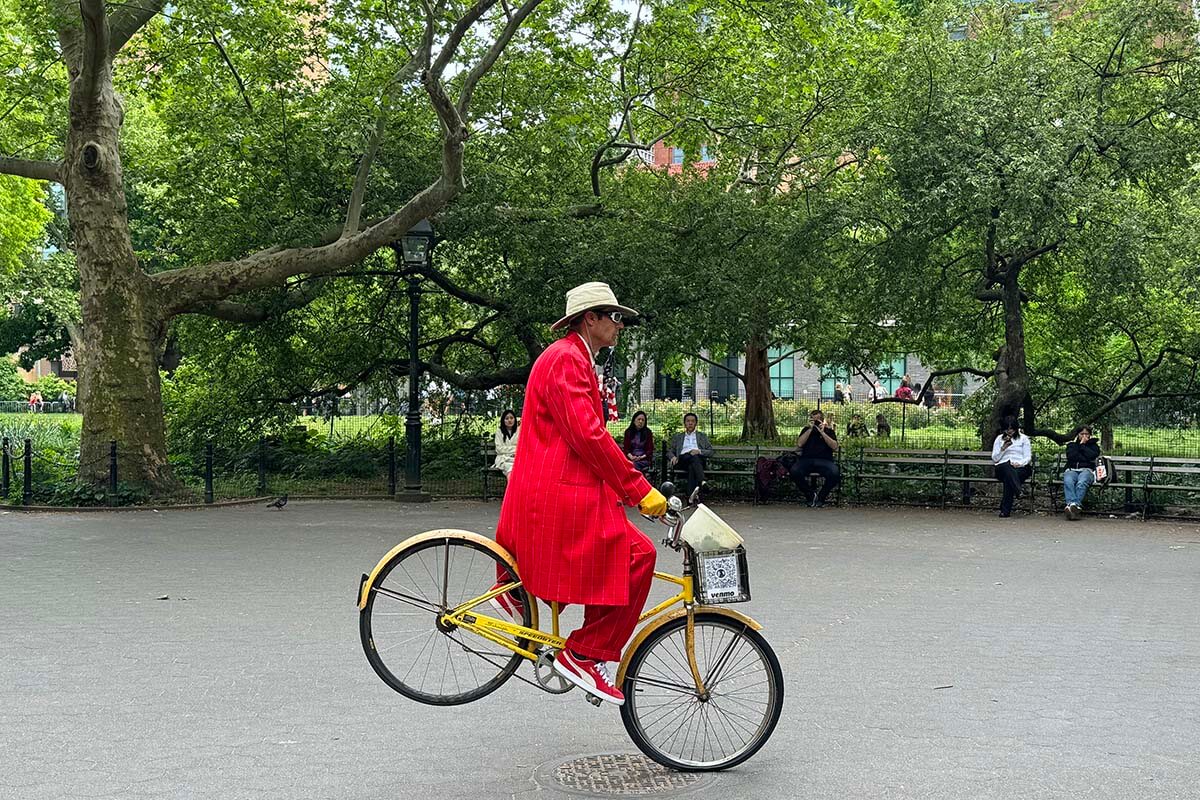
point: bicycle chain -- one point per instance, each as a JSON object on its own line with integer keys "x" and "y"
{"x": 484, "y": 656}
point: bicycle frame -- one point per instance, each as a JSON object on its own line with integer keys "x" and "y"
{"x": 497, "y": 630}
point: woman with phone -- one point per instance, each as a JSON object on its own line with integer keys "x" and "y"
{"x": 1013, "y": 457}
{"x": 1082, "y": 455}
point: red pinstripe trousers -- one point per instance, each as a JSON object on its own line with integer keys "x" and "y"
{"x": 606, "y": 629}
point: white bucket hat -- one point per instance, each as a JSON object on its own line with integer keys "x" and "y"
{"x": 589, "y": 296}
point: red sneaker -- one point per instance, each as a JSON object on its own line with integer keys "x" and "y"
{"x": 507, "y": 605}
{"x": 591, "y": 676}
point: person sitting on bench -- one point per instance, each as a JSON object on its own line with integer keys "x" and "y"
{"x": 1012, "y": 455}
{"x": 690, "y": 451}
{"x": 816, "y": 446}
{"x": 1082, "y": 453}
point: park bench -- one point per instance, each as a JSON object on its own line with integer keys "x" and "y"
{"x": 975, "y": 466}
{"x": 736, "y": 461}
{"x": 488, "y": 450}
{"x": 1173, "y": 475}
{"x": 877, "y": 463}
{"x": 814, "y": 478}
{"x": 962, "y": 467}
{"x": 730, "y": 461}
{"x": 1142, "y": 474}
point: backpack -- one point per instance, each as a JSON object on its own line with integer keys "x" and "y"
{"x": 1104, "y": 470}
{"x": 766, "y": 472}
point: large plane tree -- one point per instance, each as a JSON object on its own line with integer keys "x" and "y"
{"x": 64, "y": 60}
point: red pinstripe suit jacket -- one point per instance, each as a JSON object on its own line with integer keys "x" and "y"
{"x": 562, "y": 516}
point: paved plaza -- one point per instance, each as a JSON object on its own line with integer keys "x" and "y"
{"x": 927, "y": 654}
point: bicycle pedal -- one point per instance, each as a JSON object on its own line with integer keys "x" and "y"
{"x": 591, "y": 698}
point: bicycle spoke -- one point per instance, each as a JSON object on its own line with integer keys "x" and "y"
{"x": 446, "y": 576}
{"x": 404, "y": 598}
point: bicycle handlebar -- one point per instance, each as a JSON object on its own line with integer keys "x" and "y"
{"x": 673, "y": 518}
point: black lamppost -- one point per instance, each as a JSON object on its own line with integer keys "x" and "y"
{"x": 713, "y": 396}
{"x": 416, "y": 249}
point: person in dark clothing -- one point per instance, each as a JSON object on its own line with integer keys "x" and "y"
{"x": 882, "y": 428}
{"x": 928, "y": 399}
{"x": 857, "y": 428}
{"x": 816, "y": 446}
{"x": 1082, "y": 455}
{"x": 639, "y": 443}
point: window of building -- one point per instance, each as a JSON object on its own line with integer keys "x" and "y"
{"x": 704, "y": 156}
{"x": 890, "y": 372}
{"x": 956, "y": 31}
{"x": 722, "y": 382}
{"x": 668, "y": 387}
{"x": 783, "y": 374}
{"x": 676, "y": 155}
{"x": 830, "y": 378}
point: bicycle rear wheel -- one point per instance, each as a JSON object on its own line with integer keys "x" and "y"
{"x": 414, "y": 654}
{"x": 672, "y": 724}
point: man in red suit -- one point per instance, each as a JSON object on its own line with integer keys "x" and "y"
{"x": 562, "y": 516}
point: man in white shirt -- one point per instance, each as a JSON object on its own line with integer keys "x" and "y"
{"x": 690, "y": 450}
{"x": 1013, "y": 457}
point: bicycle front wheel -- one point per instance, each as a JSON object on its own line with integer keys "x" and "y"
{"x": 418, "y": 657}
{"x": 672, "y": 724}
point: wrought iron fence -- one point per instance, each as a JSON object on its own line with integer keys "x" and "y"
{"x": 362, "y": 455}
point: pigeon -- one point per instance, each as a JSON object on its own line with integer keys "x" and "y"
{"x": 279, "y": 503}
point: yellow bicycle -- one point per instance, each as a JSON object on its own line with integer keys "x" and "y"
{"x": 703, "y": 689}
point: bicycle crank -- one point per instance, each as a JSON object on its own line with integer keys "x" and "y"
{"x": 547, "y": 678}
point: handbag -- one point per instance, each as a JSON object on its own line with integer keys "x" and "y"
{"x": 1104, "y": 470}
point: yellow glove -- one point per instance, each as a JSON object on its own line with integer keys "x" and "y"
{"x": 653, "y": 504}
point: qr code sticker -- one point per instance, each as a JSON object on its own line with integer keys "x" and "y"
{"x": 721, "y": 577}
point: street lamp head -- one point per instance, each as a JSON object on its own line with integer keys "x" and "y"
{"x": 417, "y": 244}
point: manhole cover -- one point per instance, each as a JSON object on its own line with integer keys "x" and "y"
{"x": 619, "y": 775}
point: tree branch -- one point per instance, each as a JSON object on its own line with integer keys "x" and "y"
{"x": 128, "y": 20}
{"x": 456, "y": 35}
{"x": 784, "y": 357}
{"x": 938, "y": 373}
{"x": 188, "y": 289}
{"x": 493, "y": 53}
{"x": 488, "y": 380}
{"x": 402, "y": 76}
{"x": 34, "y": 170}
{"x": 236, "y": 76}
{"x": 254, "y": 314}
{"x": 95, "y": 56}
{"x": 193, "y": 288}
{"x": 734, "y": 373}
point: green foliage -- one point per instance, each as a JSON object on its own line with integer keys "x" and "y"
{"x": 1057, "y": 155}
{"x": 867, "y": 168}
{"x": 22, "y": 219}
{"x": 12, "y": 386}
{"x": 51, "y": 433}
{"x": 51, "y": 387}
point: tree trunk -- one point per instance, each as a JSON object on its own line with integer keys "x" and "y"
{"x": 759, "y": 421}
{"x": 119, "y": 391}
{"x": 1012, "y": 374}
